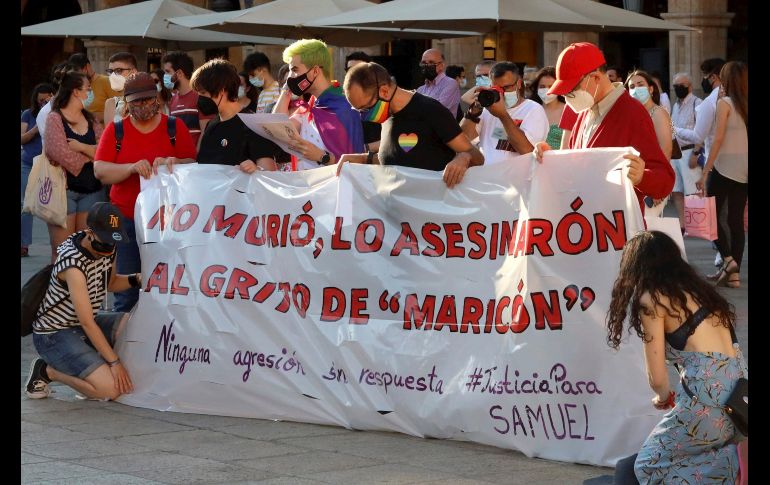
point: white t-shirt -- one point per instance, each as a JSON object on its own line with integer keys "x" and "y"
{"x": 41, "y": 117}
{"x": 493, "y": 140}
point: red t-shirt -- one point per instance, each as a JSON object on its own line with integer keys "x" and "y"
{"x": 568, "y": 119}
{"x": 628, "y": 123}
{"x": 140, "y": 146}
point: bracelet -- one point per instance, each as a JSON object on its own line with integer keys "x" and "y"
{"x": 670, "y": 401}
{"x": 369, "y": 157}
{"x": 114, "y": 362}
{"x": 133, "y": 281}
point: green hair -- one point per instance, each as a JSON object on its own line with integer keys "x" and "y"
{"x": 312, "y": 52}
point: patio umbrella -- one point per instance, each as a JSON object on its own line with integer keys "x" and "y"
{"x": 143, "y": 24}
{"x": 291, "y": 19}
{"x": 500, "y": 16}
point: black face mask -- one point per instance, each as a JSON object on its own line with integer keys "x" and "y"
{"x": 681, "y": 91}
{"x": 207, "y": 106}
{"x": 102, "y": 247}
{"x": 706, "y": 85}
{"x": 300, "y": 84}
{"x": 428, "y": 71}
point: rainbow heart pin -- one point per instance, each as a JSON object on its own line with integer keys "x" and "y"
{"x": 407, "y": 141}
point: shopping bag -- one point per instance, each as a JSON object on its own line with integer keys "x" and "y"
{"x": 46, "y": 194}
{"x": 700, "y": 217}
{"x": 670, "y": 227}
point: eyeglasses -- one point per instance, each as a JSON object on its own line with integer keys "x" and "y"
{"x": 571, "y": 94}
{"x": 430, "y": 63}
{"x": 143, "y": 101}
{"x": 118, "y": 70}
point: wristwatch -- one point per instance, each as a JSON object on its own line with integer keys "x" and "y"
{"x": 325, "y": 159}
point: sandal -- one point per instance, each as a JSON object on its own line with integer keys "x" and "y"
{"x": 728, "y": 266}
{"x": 734, "y": 280}
{"x": 727, "y": 274}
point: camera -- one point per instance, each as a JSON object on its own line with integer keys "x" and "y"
{"x": 489, "y": 96}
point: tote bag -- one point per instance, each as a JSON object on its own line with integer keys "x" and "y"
{"x": 46, "y": 194}
{"x": 700, "y": 217}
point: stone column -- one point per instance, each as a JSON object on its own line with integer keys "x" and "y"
{"x": 555, "y": 42}
{"x": 687, "y": 49}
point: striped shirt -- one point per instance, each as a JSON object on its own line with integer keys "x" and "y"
{"x": 268, "y": 96}
{"x": 57, "y": 311}
{"x": 185, "y": 107}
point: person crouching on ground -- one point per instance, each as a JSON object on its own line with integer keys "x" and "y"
{"x": 75, "y": 342}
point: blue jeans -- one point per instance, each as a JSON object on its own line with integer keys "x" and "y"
{"x": 127, "y": 262}
{"x": 26, "y": 218}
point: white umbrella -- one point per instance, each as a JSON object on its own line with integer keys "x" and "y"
{"x": 143, "y": 24}
{"x": 500, "y": 15}
{"x": 294, "y": 19}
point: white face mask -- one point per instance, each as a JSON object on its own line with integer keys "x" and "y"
{"x": 511, "y": 99}
{"x": 483, "y": 81}
{"x": 241, "y": 92}
{"x": 547, "y": 98}
{"x": 582, "y": 100}
{"x": 117, "y": 82}
{"x": 464, "y": 82}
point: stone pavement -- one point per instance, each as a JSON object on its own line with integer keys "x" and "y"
{"x": 66, "y": 440}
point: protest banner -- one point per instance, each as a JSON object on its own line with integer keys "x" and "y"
{"x": 382, "y": 300}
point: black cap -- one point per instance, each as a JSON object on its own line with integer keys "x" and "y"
{"x": 107, "y": 223}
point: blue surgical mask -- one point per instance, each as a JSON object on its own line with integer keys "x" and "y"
{"x": 90, "y": 99}
{"x": 256, "y": 82}
{"x": 167, "y": 81}
{"x": 483, "y": 81}
{"x": 241, "y": 91}
{"x": 511, "y": 99}
{"x": 641, "y": 93}
{"x": 464, "y": 82}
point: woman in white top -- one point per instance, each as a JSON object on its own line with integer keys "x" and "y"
{"x": 729, "y": 160}
{"x": 642, "y": 87}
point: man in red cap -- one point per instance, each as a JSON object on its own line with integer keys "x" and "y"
{"x": 607, "y": 116}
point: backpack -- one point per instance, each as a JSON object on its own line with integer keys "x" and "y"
{"x": 170, "y": 125}
{"x": 32, "y": 296}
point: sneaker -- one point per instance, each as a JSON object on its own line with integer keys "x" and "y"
{"x": 37, "y": 385}
{"x": 718, "y": 260}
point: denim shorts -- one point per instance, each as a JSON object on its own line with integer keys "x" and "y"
{"x": 77, "y": 202}
{"x": 70, "y": 352}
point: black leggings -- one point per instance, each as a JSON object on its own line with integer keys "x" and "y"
{"x": 734, "y": 194}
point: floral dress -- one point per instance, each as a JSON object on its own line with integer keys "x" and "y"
{"x": 694, "y": 442}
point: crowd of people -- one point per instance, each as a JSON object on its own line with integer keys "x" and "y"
{"x": 108, "y": 130}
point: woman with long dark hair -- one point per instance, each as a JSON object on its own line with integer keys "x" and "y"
{"x": 683, "y": 319}
{"x": 164, "y": 94}
{"x": 728, "y": 163}
{"x": 248, "y": 95}
{"x": 71, "y": 136}
{"x": 31, "y": 146}
{"x": 552, "y": 104}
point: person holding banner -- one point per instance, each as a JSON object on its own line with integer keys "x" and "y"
{"x": 328, "y": 128}
{"x": 226, "y": 139}
{"x": 75, "y": 343}
{"x": 144, "y": 146}
{"x": 607, "y": 116}
{"x": 417, "y": 131}
{"x": 683, "y": 319}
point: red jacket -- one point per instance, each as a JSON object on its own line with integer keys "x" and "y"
{"x": 629, "y": 124}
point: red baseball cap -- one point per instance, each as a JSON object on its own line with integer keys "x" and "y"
{"x": 574, "y": 62}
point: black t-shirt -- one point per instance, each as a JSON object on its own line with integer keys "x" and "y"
{"x": 417, "y": 136}
{"x": 372, "y": 131}
{"x": 231, "y": 142}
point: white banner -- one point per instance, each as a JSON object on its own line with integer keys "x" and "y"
{"x": 382, "y": 300}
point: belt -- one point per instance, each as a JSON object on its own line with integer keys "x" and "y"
{"x": 687, "y": 147}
